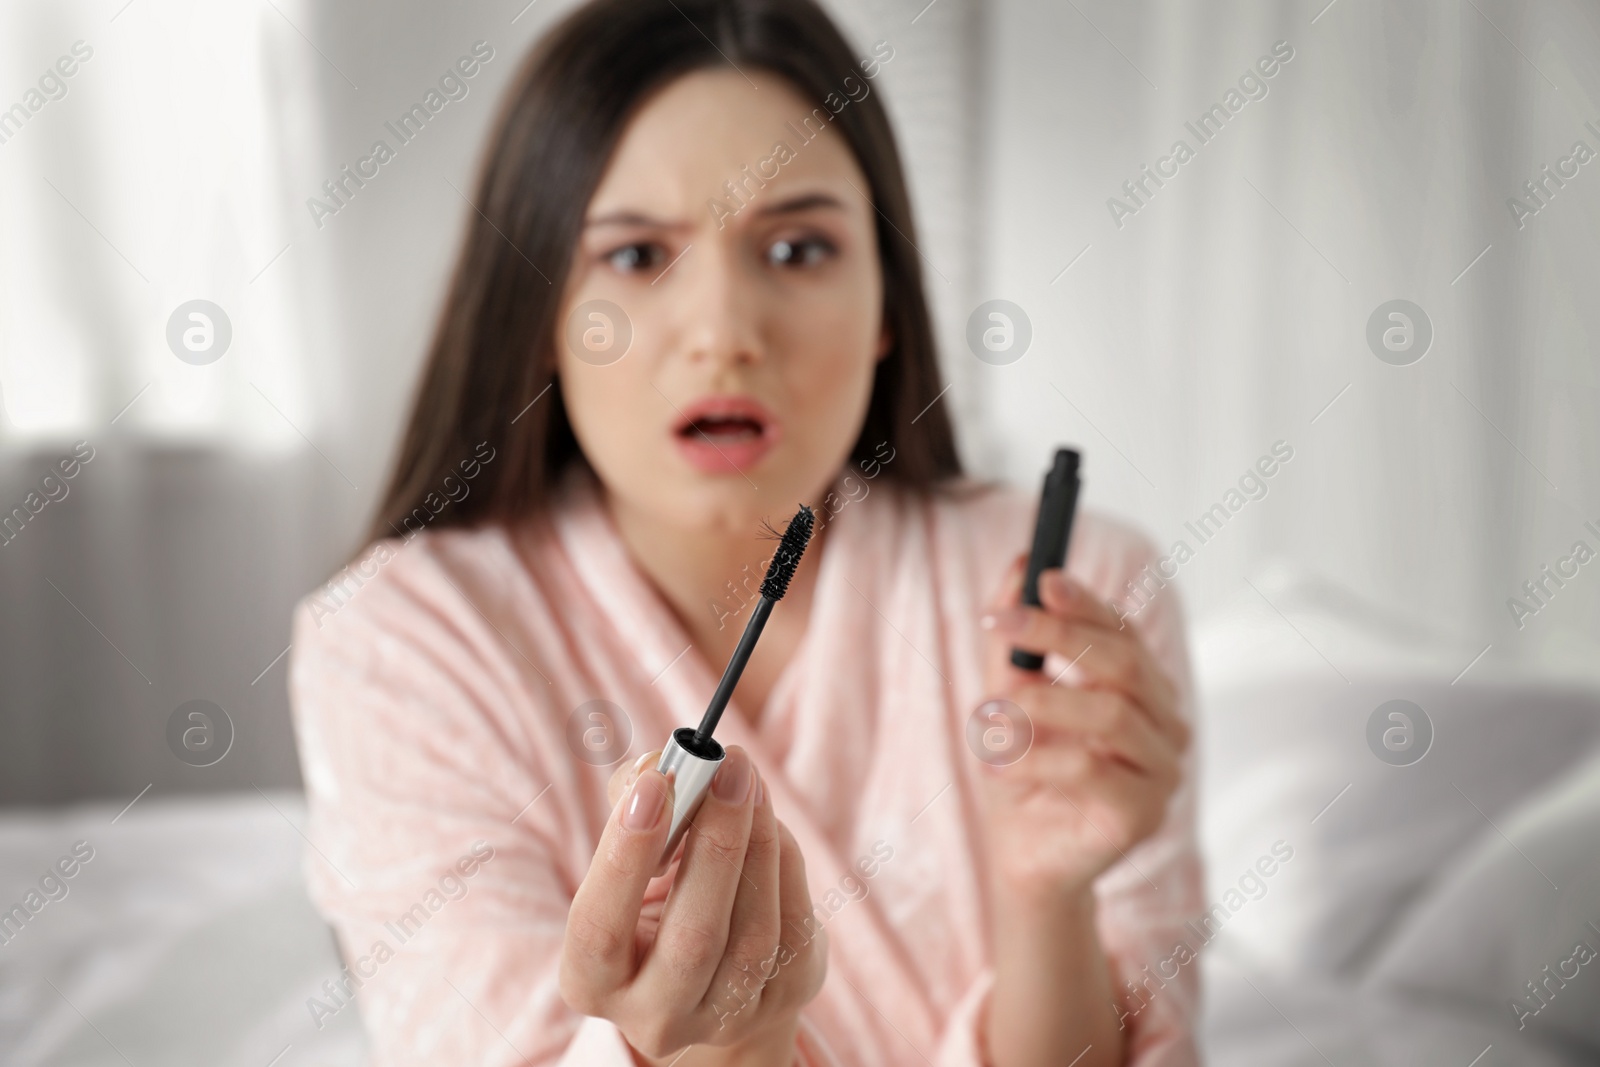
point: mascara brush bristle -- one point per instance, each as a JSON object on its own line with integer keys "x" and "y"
{"x": 786, "y": 558}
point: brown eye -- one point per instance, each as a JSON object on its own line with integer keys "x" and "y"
{"x": 632, "y": 258}
{"x": 805, "y": 252}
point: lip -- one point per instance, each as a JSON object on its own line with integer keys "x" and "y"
{"x": 725, "y": 457}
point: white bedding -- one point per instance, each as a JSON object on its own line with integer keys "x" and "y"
{"x": 1389, "y": 938}
{"x": 186, "y": 940}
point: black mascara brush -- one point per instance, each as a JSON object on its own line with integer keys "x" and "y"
{"x": 692, "y": 756}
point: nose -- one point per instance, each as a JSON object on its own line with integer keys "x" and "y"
{"x": 718, "y": 304}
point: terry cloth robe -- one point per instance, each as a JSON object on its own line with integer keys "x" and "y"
{"x": 444, "y": 688}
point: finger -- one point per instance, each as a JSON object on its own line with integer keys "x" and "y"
{"x": 694, "y": 922}
{"x": 1067, "y": 763}
{"x": 1009, "y": 591}
{"x": 1060, "y": 590}
{"x": 597, "y": 957}
{"x": 803, "y": 943}
{"x": 998, "y": 672}
{"x": 1110, "y": 659}
{"x": 1006, "y": 607}
{"x": 1115, "y": 661}
{"x": 1108, "y": 795}
{"x": 1106, "y": 723}
{"x": 1063, "y": 764}
{"x": 1064, "y": 594}
{"x": 624, "y": 775}
{"x": 750, "y": 960}
{"x": 1118, "y": 805}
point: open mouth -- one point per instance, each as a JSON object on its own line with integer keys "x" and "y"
{"x": 723, "y": 433}
{"x": 724, "y": 429}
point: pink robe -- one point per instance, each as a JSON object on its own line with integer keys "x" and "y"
{"x": 451, "y": 822}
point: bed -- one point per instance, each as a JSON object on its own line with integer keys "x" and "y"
{"x": 186, "y": 939}
{"x": 1421, "y": 895}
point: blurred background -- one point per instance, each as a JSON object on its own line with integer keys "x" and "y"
{"x": 1375, "y": 255}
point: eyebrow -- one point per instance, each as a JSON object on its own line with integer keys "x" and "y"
{"x": 804, "y": 202}
{"x": 629, "y": 218}
{"x": 793, "y": 205}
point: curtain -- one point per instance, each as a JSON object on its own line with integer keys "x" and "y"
{"x": 1226, "y": 308}
{"x": 149, "y": 163}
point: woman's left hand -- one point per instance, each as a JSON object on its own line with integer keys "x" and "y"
{"x": 1105, "y": 754}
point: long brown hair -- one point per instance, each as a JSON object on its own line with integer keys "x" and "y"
{"x": 489, "y": 386}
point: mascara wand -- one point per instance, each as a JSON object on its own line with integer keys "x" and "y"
{"x": 784, "y": 562}
{"x": 692, "y": 756}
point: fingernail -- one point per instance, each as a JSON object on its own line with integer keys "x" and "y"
{"x": 1005, "y": 620}
{"x": 732, "y": 782}
{"x": 645, "y": 802}
{"x": 761, "y": 790}
{"x": 638, "y": 764}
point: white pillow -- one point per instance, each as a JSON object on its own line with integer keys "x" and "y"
{"x": 1288, "y": 678}
{"x": 1520, "y": 907}
{"x": 1288, "y": 762}
{"x": 1310, "y": 1023}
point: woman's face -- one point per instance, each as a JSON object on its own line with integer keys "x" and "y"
{"x": 756, "y": 320}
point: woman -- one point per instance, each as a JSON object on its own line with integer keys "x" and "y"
{"x": 688, "y": 299}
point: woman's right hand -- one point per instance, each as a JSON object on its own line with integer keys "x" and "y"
{"x": 731, "y": 958}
